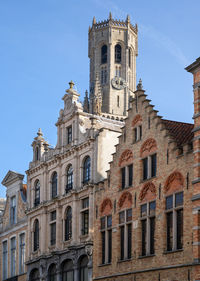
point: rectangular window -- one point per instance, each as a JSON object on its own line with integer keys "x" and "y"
{"x": 122, "y": 241}
{"x": 12, "y": 256}
{"x": 149, "y": 166}
{"x": 174, "y": 221}
{"x": 5, "y": 260}
{"x": 148, "y": 227}
{"x": 85, "y": 216}
{"x": 22, "y": 253}
{"x": 125, "y": 222}
{"x": 153, "y": 165}
{"x": 13, "y": 210}
{"x": 106, "y": 239}
{"x": 130, "y": 175}
{"x": 137, "y": 133}
{"x": 129, "y": 234}
{"x": 69, "y": 134}
{"x": 123, "y": 175}
{"x": 145, "y": 168}
{"x": 53, "y": 228}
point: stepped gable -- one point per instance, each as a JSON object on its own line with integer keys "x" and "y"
{"x": 181, "y": 132}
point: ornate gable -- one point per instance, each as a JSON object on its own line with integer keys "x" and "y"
{"x": 11, "y": 177}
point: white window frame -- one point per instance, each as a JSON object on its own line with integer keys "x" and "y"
{"x": 82, "y": 211}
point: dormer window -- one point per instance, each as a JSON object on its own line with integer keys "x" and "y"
{"x": 13, "y": 210}
{"x": 69, "y": 134}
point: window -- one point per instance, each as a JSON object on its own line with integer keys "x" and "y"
{"x": 13, "y": 210}
{"x": 53, "y": 228}
{"x": 5, "y": 260}
{"x": 36, "y": 236}
{"x": 106, "y": 239}
{"x": 34, "y": 275}
{"x": 52, "y": 273}
{"x": 68, "y": 224}
{"x": 103, "y": 75}
{"x": 85, "y": 216}
{"x": 86, "y": 170}
{"x": 137, "y": 134}
{"x": 118, "y": 50}
{"x": 104, "y": 54}
{"x": 69, "y": 184}
{"x": 67, "y": 271}
{"x": 125, "y": 224}
{"x": 148, "y": 227}
{"x": 127, "y": 176}
{"x": 54, "y": 185}
{"x": 37, "y": 193}
{"x": 149, "y": 166}
{"x": 174, "y": 220}
{"x": 69, "y": 134}
{"x": 21, "y": 253}
{"x": 36, "y": 153}
{"x": 12, "y": 256}
{"x": 118, "y": 71}
{"x": 129, "y": 57}
{"x": 84, "y": 269}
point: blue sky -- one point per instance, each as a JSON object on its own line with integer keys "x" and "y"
{"x": 44, "y": 44}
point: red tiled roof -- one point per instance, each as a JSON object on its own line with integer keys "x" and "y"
{"x": 181, "y": 132}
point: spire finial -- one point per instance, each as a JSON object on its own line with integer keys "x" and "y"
{"x": 110, "y": 16}
{"x": 39, "y": 133}
{"x": 94, "y": 20}
{"x": 71, "y": 84}
{"x": 139, "y": 85}
{"x": 128, "y": 19}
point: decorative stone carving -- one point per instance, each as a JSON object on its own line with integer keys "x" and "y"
{"x": 148, "y": 186}
{"x": 138, "y": 118}
{"x": 148, "y": 146}
{"x": 89, "y": 250}
{"x": 125, "y": 196}
{"x": 175, "y": 176}
{"x": 127, "y": 155}
{"x": 104, "y": 204}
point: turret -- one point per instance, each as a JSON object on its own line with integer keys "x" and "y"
{"x": 39, "y": 146}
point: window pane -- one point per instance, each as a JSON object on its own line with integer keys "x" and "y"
{"x": 103, "y": 223}
{"x": 152, "y": 208}
{"x": 22, "y": 253}
{"x": 145, "y": 168}
{"x": 140, "y": 129}
{"x": 109, "y": 221}
{"x": 180, "y": 229}
{"x": 143, "y": 210}
{"x": 85, "y": 222}
{"x": 129, "y": 240}
{"x": 85, "y": 203}
{"x": 153, "y": 165}
{"x": 69, "y": 134}
{"x": 152, "y": 231}
{"x": 129, "y": 215}
{"x": 169, "y": 202}
{"x": 144, "y": 237}
{"x": 104, "y": 54}
{"x": 122, "y": 242}
{"x": 109, "y": 245}
{"x": 53, "y": 233}
{"x": 103, "y": 246}
{"x": 179, "y": 199}
{"x": 118, "y": 53}
{"x": 123, "y": 175}
{"x": 53, "y": 215}
{"x": 122, "y": 217}
{"x": 169, "y": 231}
{"x": 130, "y": 175}
{"x": 5, "y": 260}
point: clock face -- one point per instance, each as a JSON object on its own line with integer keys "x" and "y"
{"x": 118, "y": 83}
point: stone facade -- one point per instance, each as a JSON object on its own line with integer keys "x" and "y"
{"x": 13, "y": 230}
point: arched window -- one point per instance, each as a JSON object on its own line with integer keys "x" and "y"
{"x": 67, "y": 271}
{"x": 83, "y": 271}
{"x": 69, "y": 184}
{"x": 34, "y": 275}
{"x": 118, "y": 53}
{"x": 54, "y": 185}
{"x": 104, "y": 54}
{"x": 37, "y": 193}
{"x": 52, "y": 273}
{"x": 36, "y": 235}
{"x": 68, "y": 224}
{"x": 36, "y": 153}
{"x": 86, "y": 170}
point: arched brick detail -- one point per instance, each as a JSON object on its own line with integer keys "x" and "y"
{"x": 147, "y": 187}
{"x": 174, "y": 181}
{"x": 106, "y": 207}
{"x": 126, "y": 197}
{"x": 148, "y": 146}
{"x": 136, "y": 119}
{"x": 126, "y": 156}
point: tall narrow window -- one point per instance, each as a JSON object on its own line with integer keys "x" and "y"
{"x": 174, "y": 221}
{"x": 127, "y": 176}
{"x": 69, "y": 134}
{"x": 83, "y": 269}
{"x": 12, "y": 256}
{"x": 123, "y": 176}
{"x": 118, "y": 50}
{"x": 125, "y": 224}
{"x": 68, "y": 224}
{"x": 104, "y": 54}
{"x": 137, "y": 134}
{"x": 149, "y": 166}
{"x": 5, "y": 260}
{"x": 52, "y": 273}
{"x": 86, "y": 170}
{"x": 13, "y": 210}
{"x": 36, "y": 235}
{"x": 129, "y": 57}
{"x": 148, "y": 227}
{"x": 37, "y": 193}
{"x": 69, "y": 184}
{"x": 54, "y": 185}
{"x": 85, "y": 216}
{"x": 67, "y": 271}
{"x": 106, "y": 239}
{"x": 53, "y": 228}
{"x": 36, "y": 153}
{"x": 22, "y": 253}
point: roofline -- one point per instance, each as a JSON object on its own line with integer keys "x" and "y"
{"x": 192, "y": 67}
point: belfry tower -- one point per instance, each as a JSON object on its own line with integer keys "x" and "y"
{"x": 112, "y": 52}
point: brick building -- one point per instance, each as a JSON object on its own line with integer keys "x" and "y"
{"x": 147, "y": 225}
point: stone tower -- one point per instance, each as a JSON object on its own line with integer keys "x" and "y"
{"x": 112, "y": 52}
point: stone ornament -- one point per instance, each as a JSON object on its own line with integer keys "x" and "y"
{"x": 127, "y": 155}
{"x": 138, "y": 118}
{"x": 125, "y": 196}
{"x": 89, "y": 250}
{"x": 148, "y": 146}
{"x": 175, "y": 176}
{"x": 148, "y": 186}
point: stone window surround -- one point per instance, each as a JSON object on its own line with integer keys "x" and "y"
{"x": 82, "y": 211}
